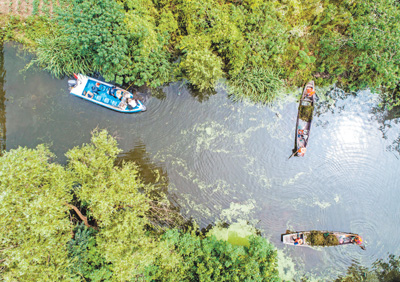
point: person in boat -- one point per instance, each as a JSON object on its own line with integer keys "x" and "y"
{"x": 357, "y": 240}
{"x": 301, "y": 132}
{"x": 298, "y": 241}
{"x": 132, "y": 103}
{"x": 118, "y": 94}
{"x": 310, "y": 92}
{"x": 301, "y": 151}
{"x": 111, "y": 91}
{"x": 88, "y": 94}
{"x": 124, "y": 101}
{"x": 96, "y": 88}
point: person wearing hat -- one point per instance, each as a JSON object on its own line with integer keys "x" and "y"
{"x": 358, "y": 240}
{"x": 111, "y": 91}
{"x": 298, "y": 241}
{"x": 96, "y": 88}
{"x": 310, "y": 92}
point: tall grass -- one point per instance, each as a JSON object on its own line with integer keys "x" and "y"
{"x": 58, "y": 57}
{"x": 257, "y": 84}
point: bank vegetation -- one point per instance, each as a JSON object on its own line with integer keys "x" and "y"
{"x": 258, "y": 47}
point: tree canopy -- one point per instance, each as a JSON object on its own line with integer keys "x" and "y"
{"x": 95, "y": 220}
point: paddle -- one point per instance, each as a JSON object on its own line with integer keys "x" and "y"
{"x": 293, "y": 154}
{"x": 129, "y": 86}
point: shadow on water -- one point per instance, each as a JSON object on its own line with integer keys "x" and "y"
{"x": 200, "y": 96}
{"x": 390, "y": 121}
{"x": 381, "y": 270}
{"x": 2, "y": 101}
{"x": 150, "y": 172}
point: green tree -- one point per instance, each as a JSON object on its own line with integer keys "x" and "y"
{"x": 35, "y": 224}
{"x": 203, "y": 68}
{"x": 90, "y": 30}
{"x": 116, "y": 199}
{"x": 34, "y": 220}
{"x": 86, "y": 258}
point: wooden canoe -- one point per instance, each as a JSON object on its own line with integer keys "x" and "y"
{"x": 304, "y": 119}
{"x": 301, "y": 238}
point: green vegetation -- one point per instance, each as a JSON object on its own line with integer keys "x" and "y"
{"x": 260, "y": 47}
{"x": 306, "y": 113}
{"x": 93, "y": 220}
{"x": 381, "y": 270}
{"x": 209, "y": 259}
{"x": 318, "y": 238}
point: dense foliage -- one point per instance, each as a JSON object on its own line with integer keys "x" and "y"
{"x": 209, "y": 259}
{"x": 260, "y": 47}
{"x": 44, "y": 205}
{"x": 34, "y": 226}
{"x": 381, "y": 270}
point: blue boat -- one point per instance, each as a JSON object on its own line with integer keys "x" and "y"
{"x": 105, "y": 94}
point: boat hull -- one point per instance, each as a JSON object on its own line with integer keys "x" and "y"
{"x": 303, "y": 127}
{"x": 84, "y": 90}
{"x": 344, "y": 238}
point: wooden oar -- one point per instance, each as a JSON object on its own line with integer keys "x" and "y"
{"x": 295, "y": 152}
{"x": 129, "y": 86}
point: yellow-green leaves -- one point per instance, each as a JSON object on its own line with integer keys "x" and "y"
{"x": 203, "y": 68}
{"x": 34, "y": 223}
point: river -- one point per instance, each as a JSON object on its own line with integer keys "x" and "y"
{"x": 226, "y": 161}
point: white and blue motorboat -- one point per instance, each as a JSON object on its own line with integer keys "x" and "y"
{"x": 105, "y": 94}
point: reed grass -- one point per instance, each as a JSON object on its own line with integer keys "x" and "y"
{"x": 59, "y": 58}
{"x": 257, "y": 84}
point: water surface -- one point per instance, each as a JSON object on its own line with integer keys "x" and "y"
{"x": 228, "y": 161}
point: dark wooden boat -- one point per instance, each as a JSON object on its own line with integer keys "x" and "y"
{"x": 304, "y": 119}
{"x": 315, "y": 238}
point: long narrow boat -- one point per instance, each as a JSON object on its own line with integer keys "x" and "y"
{"x": 315, "y": 238}
{"x": 105, "y": 94}
{"x": 304, "y": 119}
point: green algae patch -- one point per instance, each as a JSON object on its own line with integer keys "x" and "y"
{"x": 237, "y": 233}
{"x": 324, "y": 239}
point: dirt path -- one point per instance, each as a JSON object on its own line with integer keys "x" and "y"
{"x": 25, "y": 8}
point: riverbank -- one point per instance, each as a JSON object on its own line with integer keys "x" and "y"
{"x": 266, "y": 47}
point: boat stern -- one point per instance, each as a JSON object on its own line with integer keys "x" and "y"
{"x": 81, "y": 82}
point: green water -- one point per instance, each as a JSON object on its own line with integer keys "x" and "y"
{"x": 225, "y": 161}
